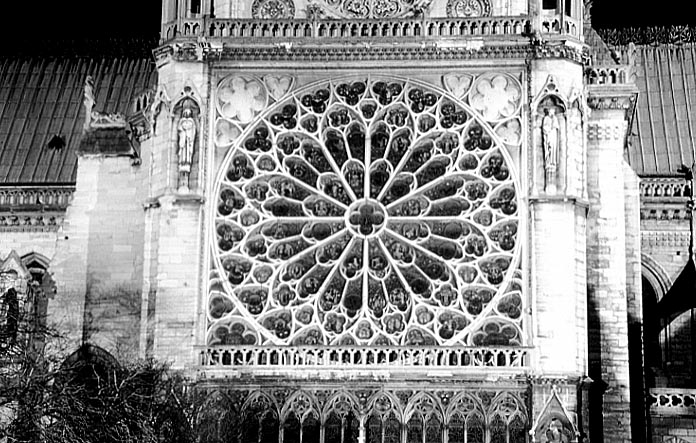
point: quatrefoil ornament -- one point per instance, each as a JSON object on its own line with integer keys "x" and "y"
{"x": 366, "y": 217}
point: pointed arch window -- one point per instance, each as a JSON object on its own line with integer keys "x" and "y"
{"x": 259, "y": 424}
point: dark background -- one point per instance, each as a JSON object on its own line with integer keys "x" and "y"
{"x": 27, "y": 21}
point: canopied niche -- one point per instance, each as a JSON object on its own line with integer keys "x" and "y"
{"x": 550, "y": 140}
{"x": 186, "y": 124}
{"x": 380, "y": 211}
{"x": 554, "y": 424}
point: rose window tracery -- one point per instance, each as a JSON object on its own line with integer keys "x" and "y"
{"x": 468, "y": 8}
{"x": 370, "y": 9}
{"x": 378, "y": 211}
{"x": 273, "y": 9}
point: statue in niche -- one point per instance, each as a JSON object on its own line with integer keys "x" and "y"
{"x": 186, "y": 130}
{"x": 555, "y": 432}
{"x": 552, "y": 137}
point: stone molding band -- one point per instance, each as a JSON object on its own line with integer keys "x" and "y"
{"x": 606, "y": 130}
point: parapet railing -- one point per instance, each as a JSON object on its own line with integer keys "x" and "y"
{"x": 15, "y": 197}
{"x": 672, "y": 401}
{"x": 664, "y": 186}
{"x": 354, "y": 29}
{"x": 362, "y": 357}
{"x": 609, "y": 75}
{"x": 560, "y": 24}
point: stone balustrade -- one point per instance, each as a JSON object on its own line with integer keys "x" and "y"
{"x": 665, "y": 186}
{"x": 560, "y": 24}
{"x": 672, "y": 401}
{"x": 346, "y": 29}
{"x": 363, "y": 357}
{"x": 27, "y": 197}
{"x": 609, "y": 75}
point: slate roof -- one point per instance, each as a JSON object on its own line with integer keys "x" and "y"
{"x": 41, "y": 97}
{"x": 664, "y": 131}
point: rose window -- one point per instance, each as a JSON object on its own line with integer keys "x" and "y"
{"x": 377, "y": 211}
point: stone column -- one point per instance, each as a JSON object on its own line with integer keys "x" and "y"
{"x": 606, "y": 265}
{"x": 177, "y": 279}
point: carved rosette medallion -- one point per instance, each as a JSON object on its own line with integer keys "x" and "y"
{"x": 273, "y": 9}
{"x": 371, "y": 8}
{"x": 379, "y": 211}
{"x": 468, "y": 8}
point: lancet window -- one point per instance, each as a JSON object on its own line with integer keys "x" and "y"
{"x": 383, "y": 418}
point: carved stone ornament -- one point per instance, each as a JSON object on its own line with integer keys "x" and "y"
{"x": 458, "y": 84}
{"x": 89, "y": 100}
{"x": 301, "y": 49}
{"x": 373, "y": 8}
{"x": 554, "y": 424}
{"x": 273, "y": 9}
{"x": 551, "y": 132}
{"x": 95, "y": 119}
{"x": 343, "y": 207}
{"x": 161, "y": 99}
{"x": 186, "y": 130}
{"x": 468, "y": 8}
{"x": 185, "y": 114}
{"x": 495, "y": 96}
{"x": 241, "y": 98}
{"x": 279, "y": 85}
{"x": 333, "y": 412}
{"x": 652, "y": 35}
{"x": 552, "y": 123}
{"x": 13, "y": 273}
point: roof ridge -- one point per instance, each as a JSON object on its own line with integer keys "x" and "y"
{"x": 649, "y": 35}
{"x": 138, "y": 47}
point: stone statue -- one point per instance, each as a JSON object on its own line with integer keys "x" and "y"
{"x": 89, "y": 101}
{"x": 555, "y": 432}
{"x": 550, "y": 138}
{"x": 187, "y": 137}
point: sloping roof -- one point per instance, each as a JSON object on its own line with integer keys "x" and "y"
{"x": 41, "y": 97}
{"x": 599, "y": 50}
{"x": 664, "y": 131}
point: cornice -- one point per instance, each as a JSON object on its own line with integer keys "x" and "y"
{"x": 614, "y": 97}
{"x": 31, "y": 222}
{"x": 471, "y": 49}
{"x": 613, "y": 102}
{"x": 663, "y": 211}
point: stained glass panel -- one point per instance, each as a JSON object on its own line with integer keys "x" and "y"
{"x": 376, "y": 211}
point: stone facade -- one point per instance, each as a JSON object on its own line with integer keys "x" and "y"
{"x": 375, "y": 222}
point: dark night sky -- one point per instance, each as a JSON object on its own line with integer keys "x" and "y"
{"x": 140, "y": 18}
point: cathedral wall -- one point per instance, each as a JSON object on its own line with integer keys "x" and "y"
{"x": 666, "y": 241}
{"x": 98, "y": 262}
{"x": 634, "y": 302}
{"x": 174, "y": 233}
{"x": 24, "y": 242}
{"x": 555, "y": 228}
{"x": 673, "y": 429}
{"x": 665, "y": 244}
{"x": 633, "y": 248}
{"x": 559, "y": 212}
{"x": 607, "y": 278}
